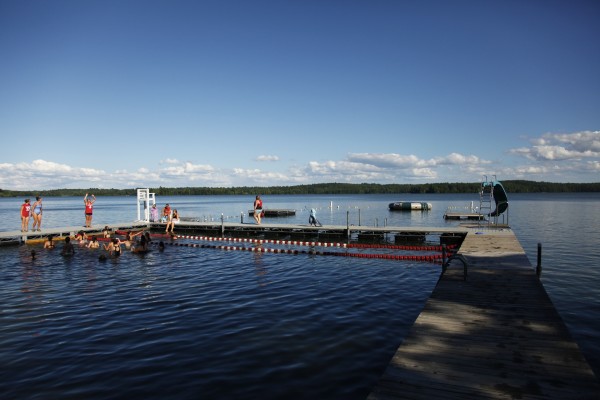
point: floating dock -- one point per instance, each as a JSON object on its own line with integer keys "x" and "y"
{"x": 275, "y": 212}
{"x": 492, "y": 333}
{"x": 463, "y": 215}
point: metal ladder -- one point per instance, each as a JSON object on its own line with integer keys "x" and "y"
{"x": 486, "y": 199}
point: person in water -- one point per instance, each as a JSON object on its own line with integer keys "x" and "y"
{"x": 89, "y": 209}
{"x": 258, "y": 209}
{"x": 141, "y": 246}
{"x": 94, "y": 243}
{"x": 68, "y": 249}
{"x": 37, "y": 214}
{"x": 113, "y": 247}
{"x": 25, "y": 214}
{"x": 49, "y": 244}
{"x": 106, "y": 232}
{"x": 81, "y": 238}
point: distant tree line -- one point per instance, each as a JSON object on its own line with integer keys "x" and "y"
{"x": 511, "y": 186}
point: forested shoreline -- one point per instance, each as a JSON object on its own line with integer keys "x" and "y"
{"x": 511, "y": 186}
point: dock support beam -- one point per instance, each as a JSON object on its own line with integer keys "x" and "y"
{"x": 538, "y": 268}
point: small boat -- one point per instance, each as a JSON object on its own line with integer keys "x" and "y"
{"x": 410, "y": 206}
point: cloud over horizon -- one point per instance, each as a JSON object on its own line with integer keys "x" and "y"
{"x": 550, "y": 157}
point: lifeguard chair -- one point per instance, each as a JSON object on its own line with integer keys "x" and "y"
{"x": 145, "y": 200}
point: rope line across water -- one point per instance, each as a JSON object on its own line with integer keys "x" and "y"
{"x": 429, "y": 258}
{"x": 317, "y": 244}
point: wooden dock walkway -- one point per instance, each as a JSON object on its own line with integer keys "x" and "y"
{"x": 233, "y": 229}
{"x": 495, "y": 335}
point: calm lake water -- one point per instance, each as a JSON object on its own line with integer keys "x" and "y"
{"x": 203, "y": 323}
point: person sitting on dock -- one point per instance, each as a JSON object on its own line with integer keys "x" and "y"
{"x": 173, "y": 219}
{"x": 166, "y": 213}
{"x": 68, "y": 249}
{"x": 258, "y": 205}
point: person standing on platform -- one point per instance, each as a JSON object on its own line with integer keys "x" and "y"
{"x": 153, "y": 213}
{"x": 89, "y": 209}
{"x": 258, "y": 205}
{"x": 37, "y": 214}
{"x": 312, "y": 218}
{"x": 25, "y": 214}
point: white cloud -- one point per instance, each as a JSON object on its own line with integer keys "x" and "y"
{"x": 267, "y": 158}
{"x": 561, "y": 146}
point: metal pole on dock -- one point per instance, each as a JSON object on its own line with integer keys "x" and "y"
{"x": 348, "y": 224}
{"x": 538, "y": 269}
{"x": 241, "y": 217}
{"x": 359, "y": 217}
{"x": 222, "y": 225}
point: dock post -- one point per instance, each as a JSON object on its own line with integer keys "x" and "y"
{"x": 222, "y": 226}
{"x": 359, "y": 217}
{"x": 348, "y": 224}
{"x": 538, "y": 268}
{"x": 444, "y": 261}
{"x": 241, "y": 217}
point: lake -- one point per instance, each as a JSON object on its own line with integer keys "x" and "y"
{"x": 205, "y": 323}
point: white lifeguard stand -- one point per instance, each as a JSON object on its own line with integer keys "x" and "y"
{"x": 145, "y": 200}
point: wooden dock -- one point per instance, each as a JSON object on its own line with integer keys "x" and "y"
{"x": 495, "y": 335}
{"x": 241, "y": 229}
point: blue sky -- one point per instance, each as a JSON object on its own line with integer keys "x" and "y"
{"x": 123, "y": 94}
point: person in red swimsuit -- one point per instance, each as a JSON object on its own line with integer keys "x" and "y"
{"x": 25, "y": 214}
{"x": 258, "y": 209}
{"x": 89, "y": 208}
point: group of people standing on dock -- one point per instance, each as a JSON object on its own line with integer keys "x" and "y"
{"x": 168, "y": 216}
{"x": 35, "y": 211}
{"x": 28, "y": 211}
